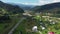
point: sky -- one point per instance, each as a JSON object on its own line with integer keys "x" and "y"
{"x": 31, "y": 2}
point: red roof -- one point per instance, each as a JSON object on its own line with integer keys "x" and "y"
{"x": 51, "y": 33}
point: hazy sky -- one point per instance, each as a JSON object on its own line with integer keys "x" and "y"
{"x": 31, "y": 2}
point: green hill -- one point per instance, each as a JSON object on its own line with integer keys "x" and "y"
{"x": 7, "y": 9}
{"x": 50, "y": 8}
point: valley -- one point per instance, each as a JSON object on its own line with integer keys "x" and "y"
{"x": 29, "y": 19}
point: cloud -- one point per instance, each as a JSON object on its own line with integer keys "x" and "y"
{"x": 33, "y": 2}
{"x": 42, "y": 2}
{"x": 27, "y": 3}
{"x": 56, "y": 0}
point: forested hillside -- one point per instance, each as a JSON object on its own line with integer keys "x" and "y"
{"x": 7, "y": 9}
{"x": 50, "y": 8}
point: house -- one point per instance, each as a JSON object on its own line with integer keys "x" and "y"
{"x": 51, "y": 33}
{"x": 34, "y": 29}
{"x": 52, "y": 22}
{"x": 42, "y": 27}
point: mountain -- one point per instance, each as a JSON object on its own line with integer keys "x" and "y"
{"x": 11, "y": 8}
{"x": 7, "y": 9}
{"x": 26, "y": 7}
{"x": 54, "y": 7}
{"x": 23, "y": 6}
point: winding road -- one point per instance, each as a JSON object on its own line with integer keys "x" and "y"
{"x": 11, "y": 31}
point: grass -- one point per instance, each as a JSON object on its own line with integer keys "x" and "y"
{"x": 1, "y": 27}
{"x": 5, "y": 30}
{"x": 28, "y": 24}
{"x": 25, "y": 27}
{"x": 20, "y": 28}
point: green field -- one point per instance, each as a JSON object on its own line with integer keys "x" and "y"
{"x": 26, "y": 26}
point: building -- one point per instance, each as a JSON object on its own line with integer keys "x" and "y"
{"x": 34, "y": 29}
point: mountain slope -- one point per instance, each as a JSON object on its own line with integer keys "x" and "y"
{"x": 7, "y": 9}
{"x": 23, "y": 6}
{"x": 54, "y": 7}
{"x": 11, "y": 8}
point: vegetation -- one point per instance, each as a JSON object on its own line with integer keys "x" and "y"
{"x": 47, "y": 16}
{"x": 9, "y": 16}
{"x": 26, "y": 26}
{"x": 53, "y": 8}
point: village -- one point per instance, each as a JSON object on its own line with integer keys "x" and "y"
{"x": 46, "y": 24}
{"x": 30, "y": 17}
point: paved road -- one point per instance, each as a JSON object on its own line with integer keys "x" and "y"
{"x": 11, "y": 31}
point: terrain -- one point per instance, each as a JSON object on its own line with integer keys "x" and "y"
{"x": 47, "y": 16}
{"x": 9, "y": 16}
{"x": 20, "y": 19}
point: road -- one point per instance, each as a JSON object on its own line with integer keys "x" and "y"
{"x": 11, "y": 31}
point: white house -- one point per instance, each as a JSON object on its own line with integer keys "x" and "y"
{"x": 42, "y": 27}
{"x": 52, "y": 22}
{"x": 34, "y": 29}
